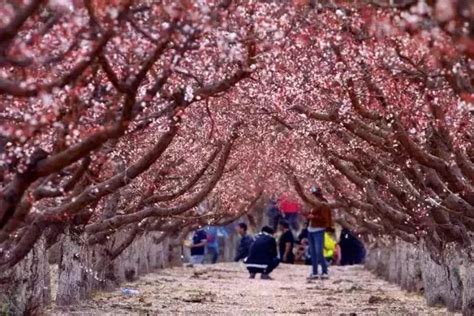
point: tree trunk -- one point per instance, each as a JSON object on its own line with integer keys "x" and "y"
{"x": 84, "y": 269}
{"x": 449, "y": 282}
{"x": 25, "y": 289}
{"x": 142, "y": 256}
{"x": 467, "y": 277}
{"x": 75, "y": 273}
{"x": 175, "y": 250}
{"x": 442, "y": 282}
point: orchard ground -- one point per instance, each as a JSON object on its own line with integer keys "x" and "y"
{"x": 224, "y": 288}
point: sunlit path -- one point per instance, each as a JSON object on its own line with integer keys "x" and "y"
{"x": 225, "y": 289}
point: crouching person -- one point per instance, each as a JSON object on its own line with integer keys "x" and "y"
{"x": 263, "y": 257}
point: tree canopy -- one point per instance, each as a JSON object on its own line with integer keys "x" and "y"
{"x": 128, "y": 116}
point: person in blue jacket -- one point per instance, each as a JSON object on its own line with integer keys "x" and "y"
{"x": 263, "y": 255}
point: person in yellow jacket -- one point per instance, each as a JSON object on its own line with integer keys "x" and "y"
{"x": 330, "y": 244}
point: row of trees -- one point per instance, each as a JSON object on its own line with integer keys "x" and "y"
{"x": 103, "y": 128}
{"x": 396, "y": 128}
{"x": 119, "y": 118}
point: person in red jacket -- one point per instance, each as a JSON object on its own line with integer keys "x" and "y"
{"x": 290, "y": 209}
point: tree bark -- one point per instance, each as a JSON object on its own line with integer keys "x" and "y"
{"x": 25, "y": 288}
{"x": 74, "y": 275}
{"x": 448, "y": 281}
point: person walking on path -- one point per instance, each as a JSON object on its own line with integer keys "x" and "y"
{"x": 245, "y": 242}
{"x": 198, "y": 246}
{"x": 263, "y": 254}
{"x": 286, "y": 243}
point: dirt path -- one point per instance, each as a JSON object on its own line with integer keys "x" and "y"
{"x": 225, "y": 289}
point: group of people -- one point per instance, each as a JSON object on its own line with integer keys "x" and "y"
{"x": 205, "y": 243}
{"x": 315, "y": 245}
{"x": 331, "y": 249}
